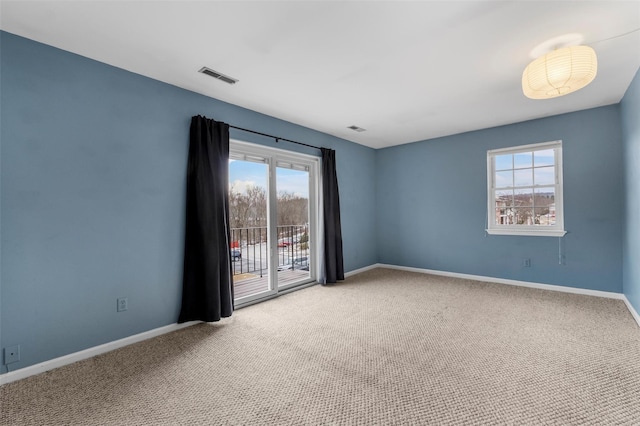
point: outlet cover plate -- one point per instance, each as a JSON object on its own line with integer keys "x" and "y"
{"x": 123, "y": 304}
{"x": 11, "y": 354}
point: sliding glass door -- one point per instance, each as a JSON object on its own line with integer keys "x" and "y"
{"x": 294, "y": 260}
{"x": 273, "y": 205}
{"x": 248, "y": 216}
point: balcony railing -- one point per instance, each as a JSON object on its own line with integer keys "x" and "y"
{"x": 249, "y": 249}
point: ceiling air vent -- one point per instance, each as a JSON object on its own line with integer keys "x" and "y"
{"x": 357, "y": 129}
{"x": 216, "y": 74}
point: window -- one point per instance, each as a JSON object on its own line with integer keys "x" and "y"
{"x": 525, "y": 190}
{"x": 273, "y": 199}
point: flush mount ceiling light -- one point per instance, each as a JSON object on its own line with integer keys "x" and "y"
{"x": 559, "y": 72}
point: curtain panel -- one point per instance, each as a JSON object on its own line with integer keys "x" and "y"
{"x": 207, "y": 286}
{"x": 333, "y": 262}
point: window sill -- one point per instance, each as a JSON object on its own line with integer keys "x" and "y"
{"x": 528, "y": 232}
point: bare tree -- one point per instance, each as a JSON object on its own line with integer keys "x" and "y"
{"x": 249, "y": 208}
{"x": 292, "y": 209}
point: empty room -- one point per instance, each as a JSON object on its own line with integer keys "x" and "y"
{"x": 319, "y": 212}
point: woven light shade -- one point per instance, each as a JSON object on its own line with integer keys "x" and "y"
{"x": 560, "y": 72}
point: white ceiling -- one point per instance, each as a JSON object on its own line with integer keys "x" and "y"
{"x": 405, "y": 71}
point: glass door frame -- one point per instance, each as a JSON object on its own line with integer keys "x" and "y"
{"x": 271, "y": 157}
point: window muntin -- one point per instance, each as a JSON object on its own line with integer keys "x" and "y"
{"x": 525, "y": 190}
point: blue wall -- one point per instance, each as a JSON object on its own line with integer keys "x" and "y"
{"x": 93, "y": 174}
{"x": 432, "y": 204}
{"x": 630, "y": 108}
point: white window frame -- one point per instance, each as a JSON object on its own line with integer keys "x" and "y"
{"x": 556, "y": 230}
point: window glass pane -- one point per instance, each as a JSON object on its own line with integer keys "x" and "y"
{"x": 504, "y": 216}
{"x": 544, "y": 197}
{"x": 504, "y": 162}
{"x": 504, "y": 179}
{"x": 504, "y": 198}
{"x": 543, "y": 158}
{"x": 544, "y": 175}
{"x": 545, "y": 216}
{"x": 522, "y": 160}
{"x": 293, "y": 218}
{"x": 523, "y": 177}
{"x": 523, "y": 216}
{"x": 248, "y": 207}
{"x": 523, "y": 197}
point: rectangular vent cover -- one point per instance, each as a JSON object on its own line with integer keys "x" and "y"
{"x": 216, "y": 74}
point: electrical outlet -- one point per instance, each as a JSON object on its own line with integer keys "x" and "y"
{"x": 123, "y": 304}
{"x": 11, "y": 354}
{"x": 526, "y": 263}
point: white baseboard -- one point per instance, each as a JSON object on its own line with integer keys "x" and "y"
{"x": 107, "y": 347}
{"x": 88, "y": 353}
{"x": 634, "y": 313}
{"x": 361, "y": 270}
{"x": 32, "y": 370}
{"x": 552, "y": 287}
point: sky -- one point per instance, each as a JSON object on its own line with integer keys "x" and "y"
{"x": 244, "y": 173}
{"x": 525, "y": 169}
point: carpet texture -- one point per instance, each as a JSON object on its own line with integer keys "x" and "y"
{"x": 384, "y": 347}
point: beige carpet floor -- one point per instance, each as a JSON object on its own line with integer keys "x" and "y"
{"x": 385, "y": 347}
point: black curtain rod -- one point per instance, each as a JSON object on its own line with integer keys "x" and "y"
{"x": 278, "y": 139}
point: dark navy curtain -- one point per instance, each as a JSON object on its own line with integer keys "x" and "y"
{"x": 334, "y": 269}
{"x": 207, "y": 286}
